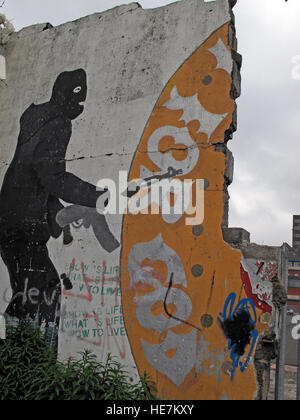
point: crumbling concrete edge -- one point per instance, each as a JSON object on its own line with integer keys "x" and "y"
{"x": 235, "y": 92}
{"x": 239, "y": 238}
{"x": 6, "y": 30}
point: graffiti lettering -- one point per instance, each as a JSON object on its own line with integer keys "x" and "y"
{"x": 238, "y": 325}
{"x": 105, "y": 324}
{"x": 175, "y": 368}
{"x": 257, "y": 277}
{"x": 33, "y": 295}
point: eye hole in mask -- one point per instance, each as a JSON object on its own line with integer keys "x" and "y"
{"x": 77, "y": 89}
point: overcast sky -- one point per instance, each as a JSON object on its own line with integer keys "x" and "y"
{"x": 266, "y": 147}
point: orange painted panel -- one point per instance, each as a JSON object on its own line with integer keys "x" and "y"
{"x": 181, "y": 282}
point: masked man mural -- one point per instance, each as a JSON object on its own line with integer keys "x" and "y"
{"x": 29, "y": 202}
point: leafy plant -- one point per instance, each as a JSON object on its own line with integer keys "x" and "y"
{"x": 29, "y": 370}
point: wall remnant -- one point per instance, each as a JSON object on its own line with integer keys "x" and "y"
{"x": 6, "y": 29}
{"x": 150, "y": 94}
{"x": 262, "y": 271}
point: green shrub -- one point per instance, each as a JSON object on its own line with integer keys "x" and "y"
{"x": 29, "y": 370}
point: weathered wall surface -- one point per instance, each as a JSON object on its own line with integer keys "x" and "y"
{"x": 262, "y": 273}
{"x": 164, "y": 294}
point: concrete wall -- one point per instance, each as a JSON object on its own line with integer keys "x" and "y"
{"x": 164, "y": 294}
{"x": 262, "y": 273}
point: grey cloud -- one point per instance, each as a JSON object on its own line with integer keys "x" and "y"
{"x": 264, "y": 193}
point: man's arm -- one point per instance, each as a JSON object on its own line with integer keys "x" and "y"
{"x": 50, "y": 166}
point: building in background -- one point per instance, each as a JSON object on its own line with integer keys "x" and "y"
{"x": 296, "y": 232}
{"x": 294, "y": 268}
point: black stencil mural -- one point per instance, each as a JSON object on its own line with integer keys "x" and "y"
{"x": 35, "y": 182}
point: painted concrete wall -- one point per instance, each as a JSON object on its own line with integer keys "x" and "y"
{"x": 162, "y": 292}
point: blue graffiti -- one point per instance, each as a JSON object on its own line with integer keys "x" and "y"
{"x": 229, "y": 314}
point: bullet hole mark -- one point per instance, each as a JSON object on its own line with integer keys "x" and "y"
{"x": 206, "y": 183}
{"x": 198, "y": 230}
{"x": 207, "y": 321}
{"x": 207, "y": 80}
{"x": 226, "y": 368}
{"x": 197, "y": 270}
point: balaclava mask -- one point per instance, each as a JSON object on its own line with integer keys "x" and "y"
{"x": 69, "y": 90}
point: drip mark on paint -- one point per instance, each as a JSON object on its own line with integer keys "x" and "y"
{"x": 211, "y": 291}
{"x": 260, "y": 268}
